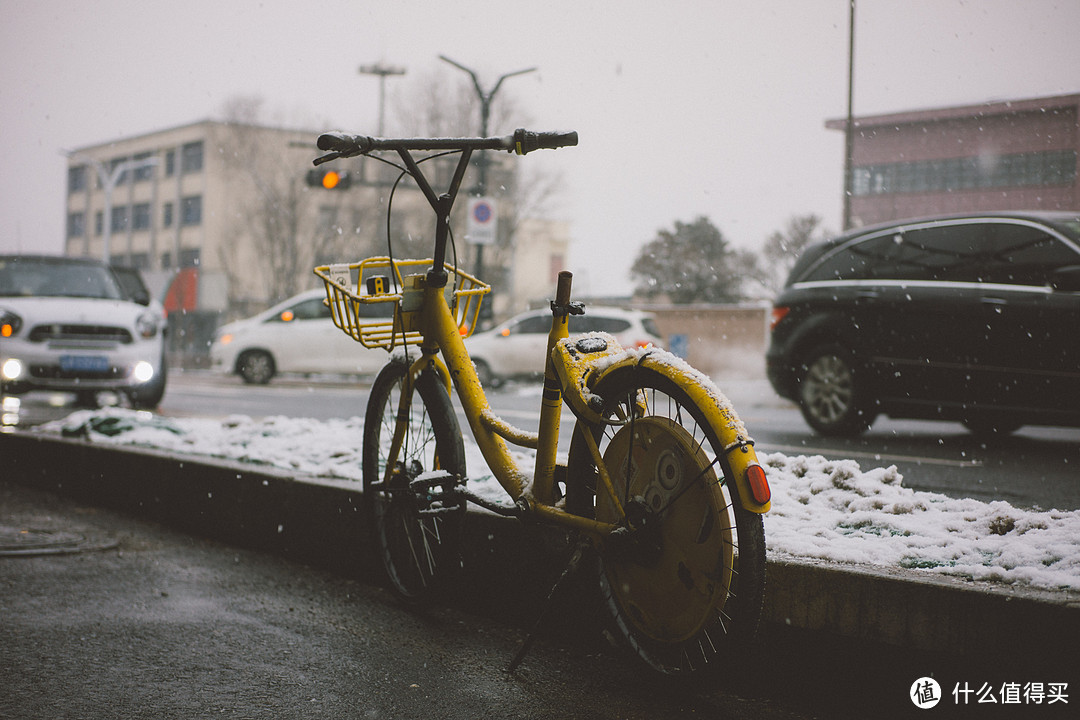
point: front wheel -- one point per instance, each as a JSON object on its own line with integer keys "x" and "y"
{"x": 831, "y": 393}
{"x": 686, "y": 586}
{"x": 419, "y": 539}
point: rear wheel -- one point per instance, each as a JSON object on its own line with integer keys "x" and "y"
{"x": 686, "y": 586}
{"x": 256, "y": 367}
{"x": 418, "y": 535}
{"x": 831, "y": 393}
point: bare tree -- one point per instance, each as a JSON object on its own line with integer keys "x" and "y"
{"x": 443, "y": 103}
{"x": 288, "y": 234}
{"x": 783, "y": 248}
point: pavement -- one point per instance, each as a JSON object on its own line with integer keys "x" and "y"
{"x": 820, "y": 618}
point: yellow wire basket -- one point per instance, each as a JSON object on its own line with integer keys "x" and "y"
{"x": 387, "y": 318}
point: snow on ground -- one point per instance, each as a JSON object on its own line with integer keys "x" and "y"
{"x": 831, "y": 510}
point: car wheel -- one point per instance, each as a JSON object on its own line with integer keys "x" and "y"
{"x": 256, "y": 367}
{"x": 487, "y": 377}
{"x": 830, "y": 393}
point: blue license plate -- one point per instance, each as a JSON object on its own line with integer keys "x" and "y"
{"x": 84, "y": 363}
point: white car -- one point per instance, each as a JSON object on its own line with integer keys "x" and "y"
{"x": 516, "y": 348}
{"x": 295, "y": 336}
{"x": 66, "y": 324}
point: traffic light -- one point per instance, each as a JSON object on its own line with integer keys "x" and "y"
{"x": 329, "y": 179}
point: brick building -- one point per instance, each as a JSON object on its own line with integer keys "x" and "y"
{"x": 1008, "y": 155}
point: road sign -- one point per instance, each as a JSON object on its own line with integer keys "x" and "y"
{"x": 482, "y": 225}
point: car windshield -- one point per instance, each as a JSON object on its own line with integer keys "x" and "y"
{"x": 32, "y": 277}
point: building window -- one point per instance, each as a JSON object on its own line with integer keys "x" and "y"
{"x": 189, "y": 258}
{"x": 166, "y": 260}
{"x": 191, "y": 157}
{"x": 76, "y": 224}
{"x": 120, "y": 218}
{"x": 99, "y": 223}
{"x": 140, "y": 216}
{"x": 145, "y": 171}
{"x": 1055, "y": 167}
{"x": 170, "y": 163}
{"x": 167, "y": 215}
{"x": 191, "y": 210}
{"x": 139, "y": 260}
{"x": 77, "y": 178}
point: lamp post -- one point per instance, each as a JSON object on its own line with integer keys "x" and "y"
{"x": 849, "y": 127}
{"x": 382, "y": 72}
{"x": 109, "y": 180}
{"x": 485, "y": 112}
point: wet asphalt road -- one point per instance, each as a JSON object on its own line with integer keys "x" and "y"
{"x": 163, "y": 625}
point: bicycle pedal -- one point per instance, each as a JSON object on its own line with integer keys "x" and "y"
{"x": 430, "y": 480}
{"x": 437, "y": 492}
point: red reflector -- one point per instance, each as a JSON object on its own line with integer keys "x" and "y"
{"x": 778, "y": 314}
{"x": 759, "y": 486}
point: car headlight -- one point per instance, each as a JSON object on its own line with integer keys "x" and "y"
{"x": 147, "y": 325}
{"x": 12, "y": 369}
{"x": 143, "y": 371}
{"x": 9, "y": 323}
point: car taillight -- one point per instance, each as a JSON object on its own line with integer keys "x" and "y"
{"x": 778, "y": 314}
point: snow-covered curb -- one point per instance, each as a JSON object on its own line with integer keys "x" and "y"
{"x": 830, "y": 510}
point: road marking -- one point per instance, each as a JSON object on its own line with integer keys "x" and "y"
{"x": 879, "y": 457}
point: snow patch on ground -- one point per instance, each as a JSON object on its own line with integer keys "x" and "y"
{"x": 829, "y": 510}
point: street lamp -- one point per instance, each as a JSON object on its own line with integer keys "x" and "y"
{"x": 382, "y": 72}
{"x": 485, "y": 112}
{"x": 109, "y": 180}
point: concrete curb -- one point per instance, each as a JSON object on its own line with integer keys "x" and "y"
{"x": 319, "y": 521}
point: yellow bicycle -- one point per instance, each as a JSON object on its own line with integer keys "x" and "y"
{"x": 661, "y": 484}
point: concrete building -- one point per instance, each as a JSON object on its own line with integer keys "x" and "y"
{"x": 223, "y": 219}
{"x": 1007, "y": 155}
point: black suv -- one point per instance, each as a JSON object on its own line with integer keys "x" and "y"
{"x": 972, "y": 318}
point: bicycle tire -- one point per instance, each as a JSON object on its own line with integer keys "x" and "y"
{"x": 692, "y": 593}
{"x": 418, "y": 551}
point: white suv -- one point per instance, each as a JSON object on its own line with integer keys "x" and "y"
{"x": 516, "y": 348}
{"x": 67, "y": 324}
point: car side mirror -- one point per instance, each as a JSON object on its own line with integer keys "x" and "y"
{"x": 1066, "y": 279}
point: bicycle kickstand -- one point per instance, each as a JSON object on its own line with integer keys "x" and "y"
{"x": 527, "y": 643}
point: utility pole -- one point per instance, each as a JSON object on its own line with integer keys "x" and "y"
{"x": 382, "y": 72}
{"x": 849, "y": 127}
{"x": 485, "y": 112}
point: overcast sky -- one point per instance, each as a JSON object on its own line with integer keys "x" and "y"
{"x": 684, "y": 107}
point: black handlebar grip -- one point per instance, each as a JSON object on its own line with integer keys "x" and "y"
{"x": 343, "y": 143}
{"x": 526, "y": 141}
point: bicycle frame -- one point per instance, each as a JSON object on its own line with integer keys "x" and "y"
{"x": 434, "y": 320}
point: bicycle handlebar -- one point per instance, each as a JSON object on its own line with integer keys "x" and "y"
{"x": 523, "y": 141}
